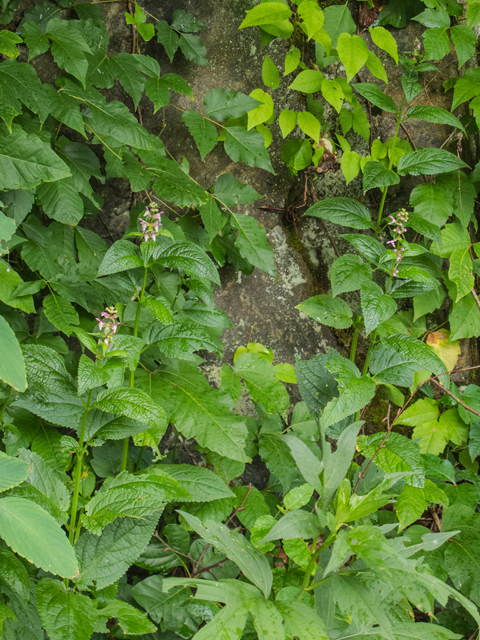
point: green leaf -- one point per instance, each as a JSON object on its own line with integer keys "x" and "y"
{"x": 252, "y": 243}
{"x": 230, "y": 191}
{"x": 433, "y": 18}
{"x": 266, "y": 13}
{"x": 460, "y": 272}
{"x": 413, "y": 501}
{"x": 309, "y": 124}
{"x": 61, "y": 201}
{"x": 248, "y": 147}
{"x": 429, "y": 162}
{"x": 309, "y": 81}
{"x": 464, "y": 41}
{"x": 356, "y": 394}
{"x": 147, "y": 31}
{"x": 181, "y": 340}
{"x": 8, "y": 43}
{"x": 12, "y": 472}
{"x": 349, "y": 273}
{"x": 60, "y": 313}
{"x": 194, "y": 408}
{"x": 15, "y": 574}
{"x": 473, "y": 14}
{"x": 375, "y": 174}
{"x": 26, "y": 160}
{"x": 270, "y": 74}
{"x": 295, "y": 524}
{"x": 350, "y": 164}
{"x": 202, "y": 484}
{"x": 46, "y": 479}
{"x": 338, "y": 20}
{"x": 397, "y": 454}
{"x": 65, "y": 613}
{"x": 193, "y": 49}
{"x": 134, "y": 404}
{"x": 464, "y": 318}
{"x": 415, "y": 350}
{"x": 121, "y": 256}
{"x": 326, "y": 309}
{"x": 436, "y": 43}
{"x": 434, "y": 114}
{"x": 287, "y": 121}
{"x": 353, "y": 52}
{"x": 10, "y": 282}
{"x": 301, "y": 619}
{"x": 237, "y": 548}
{"x": 466, "y": 87}
{"x": 432, "y": 203}
{"x": 186, "y": 22}
{"x": 35, "y": 535}
{"x": 12, "y": 368}
{"x": 90, "y": 375}
{"x": 263, "y": 112}
{"x": 130, "y": 620}
{"x": 384, "y": 40}
{"x": 278, "y": 458}
{"x": 68, "y": 48}
{"x": 261, "y": 381}
{"x": 344, "y": 211}
{"x": 212, "y": 218}
{"x": 174, "y": 185}
{"x": 204, "y": 132}
{"x": 223, "y": 104}
{"x": 390, "y": 367}
{"x": 292, "y": 60}
{"x": 167, "y": 37}
{"x": 104, "y": 559}
{"x": 188, "y": 256}
{"x": 376, "y": 96}
{"x": 376, "y": 306}
{"x": 316, "y": 384}
{"x": 298, "y": 496}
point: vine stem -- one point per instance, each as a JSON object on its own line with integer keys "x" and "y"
{"x": 78, "y": 470}
{"x": 132, "y": 373}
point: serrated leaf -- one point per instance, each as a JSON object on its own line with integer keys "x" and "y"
{"x": 193, "y": 49}
{"x": 429, "y": 162}
{"x": 188, "y": 256}
{"x": 398, "y": 453}
{"x": 248, "y": 147}
{"x": 375, "y": 174}
{"x": 356, "y": 394}
{"x": 349, "y": 272}
{"x": 61, "y": 201}
{"x": 416, "y": 351}
{"x": 344, "y": 211}
{"x": 202, "y": 484}
{"x": 65, "y": 613}
{"x": 376, "y": 306}
{"x": 121, "y": 256}
{"x": 295, "y": 524}
{"x": 12, "y": 472}
{"x": 104, "y": 559}
{"x": 12, "y": 368}
{"x": 316, "y": 384}
{"x": 167, "y": 37}
{"x": 130, "y": 620}
{"x": 204, "y": 132}
{"x": 35, "y": 535}
{"x": 334, "y": 312}
{"x": 252, "y": 243}
{"x": 464, "y": 41}
{"x": 60, "y": 313}
{"x": 134, "y": 404}
{"x": 68, "y": 48}
{"x": 181, "y": 340}
{"x": 434, "y": 114}
{"x": 261, "y": 381}
{"x": 174, "y": 185}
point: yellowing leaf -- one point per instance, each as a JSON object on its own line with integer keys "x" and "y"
{"x": 448, "y": 352}
{"x": 263, "y": 112}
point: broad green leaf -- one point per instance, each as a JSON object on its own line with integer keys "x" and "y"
{"x": 375, "y": 174}
{"x": 252, "y": 243}
{"x": 464, "y": 41}
{"x": 277, "y": 456}
{"x": 202, "y": 484}
{"x": 104, "y": 559}
{"x": 292, "y": 60}
{"x": 436, "y": 43}
{"x": 434, "y": 114}
{"x": 353, "y": 52}
{"x": 376, "y": 96}
{"x": 429, "y": 162}
{"x": 350, "y": 164}
{"x": 195, "y": 410}
{"x": 147, "y": 31}
{"x": 90, "y": 375}
{"x": 223, "y": 104}
{"x": 344, "y": 211}
{"x": 316, "y": 384}
{"x": 309, "y": 124}
{"x": 188, "y": 256}
{"x": 10, "y": 282}
{"x": 333, "y": 93}
{"x": 267, "y": 620}
{"x": 263, "y": 112}
{"x": 12, "y": 368}
{"x": 356, "y": 394}
{"x": 230, "y": 191}
{"x": 376, "y": 306}
{"x": 338, "y": 20}
{"x": 130, "y": 620}
{"x": 461, "y": 273}
{"x": 61, "y": 201}
{"x": 391, "y": 367}
{"x": 261, "y": 381}
{"x": 298, "y": 496}
{"x": 15, "y": 574}
{"x": 295, "y": 524}
{"x": 248, "y": 147}
{"x": 311, "y": 15}
{"x": 416, "y": 351}
{"x": 46, "y": 479}
{"x": 432, "y": 202}
{"x": 175, "y": 185}
{"x": 301, "y": 619}
{"x": 339, "y": 462}
{"x": 349, "y": 272}
{"x": 65, "y": 613}
{"x": 193, "y": 49}
{"x": 369, "y": 247}
{"x": 473, "y": 14}
{"x": 309, "y": 81}
{"x": 12, "y": 472}
{"x": 270, "y": 74}
{"x": 60, "y": 313}
{"x": 334, "y": 312}
{"x": 68, "y": 48}
{"x": 35, "y": 535}
{"x": 121, "y": 256}
{"x": 8, "y": 43}
{"x": 398, "y": 453}
{"x": 287, "y": 121}
{"x": 464, "y": 318}
{"x": 266, "y": 13}
{"x": 236, "y": 547}
{"x": 167, "y": 37}
{"x": 384, "y": 40}
{"x": 204, "y": 132}
{"x": 454, "y": 237}
{"x": 413, "y": 501}
{"x": 134, "y": 404}
{"x": 25, "y": 160}
{"x": 181, "y": 340}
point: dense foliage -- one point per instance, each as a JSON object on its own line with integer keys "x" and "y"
{"x": 106, "y": 535}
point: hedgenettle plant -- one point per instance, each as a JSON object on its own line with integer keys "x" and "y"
{"x": 105, "y": 533}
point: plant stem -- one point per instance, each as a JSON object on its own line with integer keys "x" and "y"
{"x": 353, "y": 348}
{"x": 78, "y": 471}
{"x": 132, "y": 373}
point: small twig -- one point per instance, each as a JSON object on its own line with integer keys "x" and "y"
{"x": 477, "y": 300}
{"x": 389, "y": 428}
{"x": 407, "y": 132}
{"x": 474, "y": 634}
{"x": 240, "y": 506}
{"x": 465, "y": 406}
{"x": 436, "y": 518}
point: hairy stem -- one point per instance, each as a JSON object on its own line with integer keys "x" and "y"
{"x": 132, "y": 373}
{"x": 78, "y": 470}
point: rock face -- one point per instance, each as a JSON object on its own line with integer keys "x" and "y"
{"x": 259, "y": 306}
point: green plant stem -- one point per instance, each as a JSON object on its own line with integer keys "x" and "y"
{"x": 353, "y": 348}
{"x": 140, "y": 456}
{"x": 313, "y": 559}
{"x": 78, "y": 470}
{"x": 132, "y": 373}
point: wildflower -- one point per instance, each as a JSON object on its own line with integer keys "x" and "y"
{"x": 150, "y": 223}
{"x": 107, "y": 324}
{"x": 398, "y": 231}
